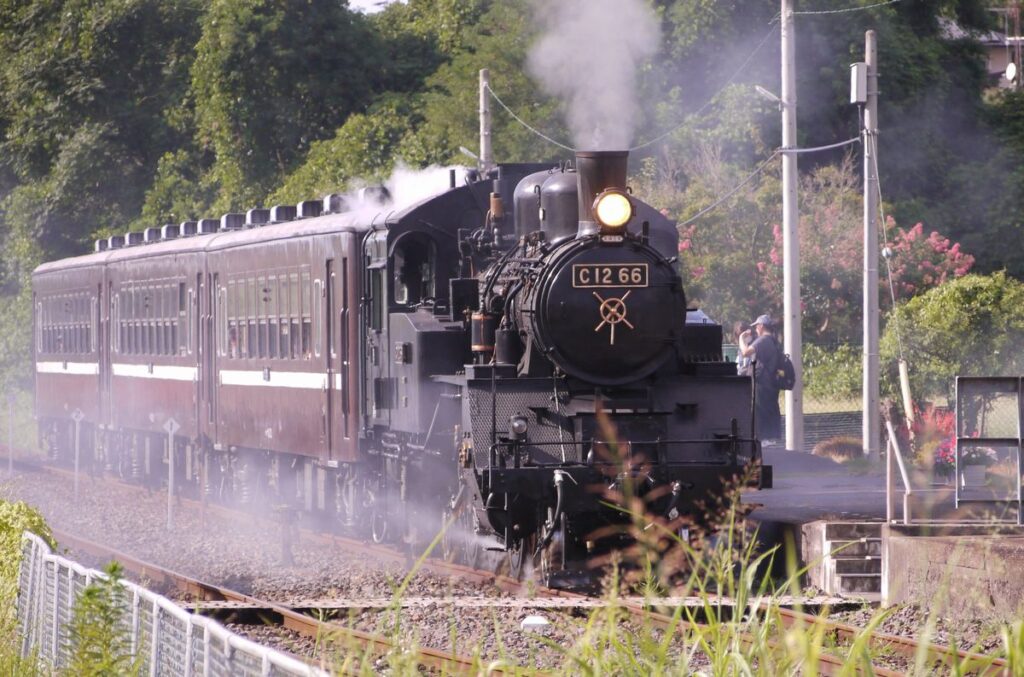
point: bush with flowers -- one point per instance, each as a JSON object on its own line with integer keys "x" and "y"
{"x": 932, "y": 437}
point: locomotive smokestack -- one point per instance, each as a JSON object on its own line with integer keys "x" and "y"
{"x": 597, "y": 170}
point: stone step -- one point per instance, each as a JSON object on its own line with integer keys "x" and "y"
{"x": 857, "y": 565}
{"x": 860, "y": 548}
{"x": 852, "y": 531}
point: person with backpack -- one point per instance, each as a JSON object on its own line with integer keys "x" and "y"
{"x": 769, "y": 367}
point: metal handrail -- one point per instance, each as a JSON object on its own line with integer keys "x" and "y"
{"x": 893, "y": 449}
{"x": 738, "y": 449}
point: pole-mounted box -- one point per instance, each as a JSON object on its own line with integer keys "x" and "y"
{"x": 858, "y": 83}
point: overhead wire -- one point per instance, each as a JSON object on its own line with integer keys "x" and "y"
{"x": 873, "y": 140}
{"x": 774, "y": 26}
{"x": 815, "y": 149}
{"x": 729, "y": 81}
{"x": 524, "y": 123}
{"x": 731, "y": 192}
{"x": 781, "y": 151}
{"x": 846, "y": 9}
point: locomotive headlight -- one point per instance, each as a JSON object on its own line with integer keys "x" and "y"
{"x": 518, "y": 427}
{"x": 613, "y": 208}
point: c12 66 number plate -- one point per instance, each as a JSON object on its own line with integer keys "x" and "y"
{"x": 600, "y": 275}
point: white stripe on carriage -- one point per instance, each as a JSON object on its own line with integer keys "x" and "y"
{"x": 78, "y": 368}
{"x": 165, "y": 372}
{"x": 278, "y": 379}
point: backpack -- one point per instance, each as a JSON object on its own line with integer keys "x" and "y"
{"x": 785, "y": 374}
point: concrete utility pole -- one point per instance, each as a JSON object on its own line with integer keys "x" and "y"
{"x": 870, "y": 426}
{"x": 790, "y": 236}
{"x": 486, "y": 155}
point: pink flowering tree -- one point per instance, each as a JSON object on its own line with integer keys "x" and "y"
{"x": 831, "y": 258}
{"x": 731, "y": 257}
{"x": 921, "y": 262}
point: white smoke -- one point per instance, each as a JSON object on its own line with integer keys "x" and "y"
{"x": 405, "y": 187}
{"x": 409, "y": 186}
{"x": 588, "y": 55}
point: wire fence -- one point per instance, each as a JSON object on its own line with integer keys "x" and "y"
{"x": 164, "y": 639}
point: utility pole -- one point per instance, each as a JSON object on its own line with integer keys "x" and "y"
{"x": 790, "y": 236}
{"x": 870, "y": 427}
{"x": 486, "y": 155}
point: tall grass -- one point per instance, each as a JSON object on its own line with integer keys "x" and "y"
{"x": 733, "y": 626}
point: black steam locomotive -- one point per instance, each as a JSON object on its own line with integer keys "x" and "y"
{"x": 508, "y": 365}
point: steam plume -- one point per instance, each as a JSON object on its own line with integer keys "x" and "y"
{"x": 588, "y": 55}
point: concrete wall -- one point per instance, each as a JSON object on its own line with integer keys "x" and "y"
{"x": 962, "y": 574}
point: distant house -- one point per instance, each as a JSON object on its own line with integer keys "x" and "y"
{"x": 1001, "y": 47}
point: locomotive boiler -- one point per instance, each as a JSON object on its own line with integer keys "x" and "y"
{"x": 503, "y": 360}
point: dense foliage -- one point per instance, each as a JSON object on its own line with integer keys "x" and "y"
{"x": 972, "y": 326}
{"x": 121, "y": 114}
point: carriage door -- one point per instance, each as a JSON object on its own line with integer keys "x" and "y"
{"x": 210, "y": 354}
{"x": 105, "y": 310}
{"x": 339, "y": 359}
{"x": 332, "y": 361}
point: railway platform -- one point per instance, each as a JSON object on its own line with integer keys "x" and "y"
{"x": 963, "y": 559}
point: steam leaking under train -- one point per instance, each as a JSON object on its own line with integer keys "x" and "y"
{"x": 505, "y": 365}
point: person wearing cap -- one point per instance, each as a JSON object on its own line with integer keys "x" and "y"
{"x": 766, "y": 354}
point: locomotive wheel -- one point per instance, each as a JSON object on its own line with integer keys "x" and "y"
{"x": 552, "y": 557}
{"x": 516, "y": 554}
{"x": 466, "y": 533}
{"x": 449, "y": 537}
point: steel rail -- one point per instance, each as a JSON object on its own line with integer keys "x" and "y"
{"x": 290, "y": 619}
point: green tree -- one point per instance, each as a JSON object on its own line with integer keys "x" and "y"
{"x": 971, "y": 326}
{"x": 449, "y": 102}
{"x": 84, "y": 90}
{"x": 364, "y": 147}
{"x": 270, "y": 77}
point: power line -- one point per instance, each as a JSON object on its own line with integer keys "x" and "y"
{"x": 847, "y": 9}
{"x": 707, "y": 103}
{"x": 731, "y": 192}
{"x": 729, "y": 81}
{"x": 885, "y": 236}
{"x": 797, "y": 151}
{"x": 526, "y": 124}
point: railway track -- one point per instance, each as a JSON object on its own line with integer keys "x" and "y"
{"x": 657, "y": 612}
{"x": 207, "y": 595}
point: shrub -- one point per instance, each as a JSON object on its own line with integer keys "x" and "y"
{"x": 97, "y": 635}
{"x": 15, "y": 518}
{"x": 973, "y": 325}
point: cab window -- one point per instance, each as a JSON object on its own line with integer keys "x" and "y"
{"x": 413, "y": 264}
